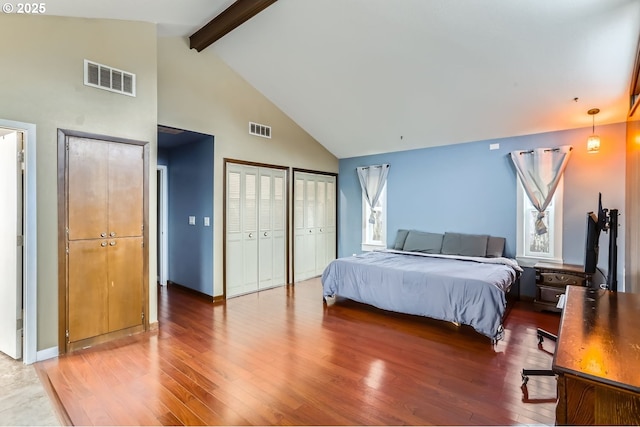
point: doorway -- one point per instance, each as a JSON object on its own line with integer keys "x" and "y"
{"x": 18, "y": 299}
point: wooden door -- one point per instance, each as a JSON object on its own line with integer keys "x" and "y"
{"x": 104, "y": 204}
{"x": 125, "y": 190}
{"x": 125, "y": 283}
{"x": 87, "y": 188}
{"x": 87, "y": 289}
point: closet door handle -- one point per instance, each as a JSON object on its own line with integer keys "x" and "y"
{"x": 103, "y": 234}
{"x": 250, "y": 235}
{"x": 112, "y": 234}
{"x": 265, "y": 234}
{"x": 321, "y": 230}
{"x": 112, "y": 243}
{"x": 103, "y": 244}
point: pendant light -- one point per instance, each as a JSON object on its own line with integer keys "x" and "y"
{"x": 593, "y": 142}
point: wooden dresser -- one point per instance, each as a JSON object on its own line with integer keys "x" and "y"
{"x": 553, "y": 279}
{"x": 597, "y": 358}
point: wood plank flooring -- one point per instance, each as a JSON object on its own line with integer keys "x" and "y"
{"x": 282, "y": 357}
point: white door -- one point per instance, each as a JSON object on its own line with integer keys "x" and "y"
{"x": 265, "y": 235}
{"x": 279, "y": 256}
{"x": 242, "y": 230}
{"x": 330, "y": 228}
{"x": 314, "y": 224}
{"x": 11, "y": 244}
{"x": 272, "y": 250}
{"x": 320, "y": 228}
{"x": 298, "y": 226}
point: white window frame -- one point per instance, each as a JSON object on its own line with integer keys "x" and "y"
{"x": 524, "y": 256}
{"x": 368, "y": 244}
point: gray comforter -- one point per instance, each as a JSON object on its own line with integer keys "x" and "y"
{"x": 466, "y": 290}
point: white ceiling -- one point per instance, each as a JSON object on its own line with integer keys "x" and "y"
{"x": 371, "y": 76}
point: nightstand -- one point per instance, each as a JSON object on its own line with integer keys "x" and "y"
{"x": 552, "y": 281}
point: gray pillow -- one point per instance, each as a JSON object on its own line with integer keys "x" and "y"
{"x": 401, "y": 236}
{"x": 420, "y": 241}
{"x": 465, "y": 244}
{"x": 495, "y": 247}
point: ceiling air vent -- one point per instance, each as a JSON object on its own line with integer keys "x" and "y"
{"x": 109, "y": 78}
{"x": 259, "y": 130}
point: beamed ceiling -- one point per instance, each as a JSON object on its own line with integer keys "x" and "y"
{"x": 370, "y": 76}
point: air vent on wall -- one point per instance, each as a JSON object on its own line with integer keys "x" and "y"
{"x": 109, "y": 78}
{"x": 259, "y": 130}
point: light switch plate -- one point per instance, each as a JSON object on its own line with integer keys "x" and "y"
{"x": 206, "y": 221}
{"x": 192, "y": 220}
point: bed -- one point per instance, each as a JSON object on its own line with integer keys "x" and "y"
{"x": 460, "y": 278}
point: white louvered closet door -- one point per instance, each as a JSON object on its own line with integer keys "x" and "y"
{"x": 298, "y": 226}
{"x": 314, "y": 224}
{"x": 272, "y": 229}
{"x": 242, "y": 230}
{"x": 256, "y": 229}
{"x": 330, "y": 228}
{"x": 320, "y": 226}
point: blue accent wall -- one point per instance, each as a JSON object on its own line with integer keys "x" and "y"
{"x": 163, "y": 156}
{"x": 190, "y": 168}
{"x": 471, "y": 189}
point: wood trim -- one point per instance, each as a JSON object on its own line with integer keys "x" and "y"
{"x": 293, "y": 191}
{"x": 63, "y": 135}
{"x": 257, "y": 164}
{"x": 62, "y": 257}
{"x": 145, "y": 233}
{"x": 232, "y": 17}
{"x": 100, "y": 339}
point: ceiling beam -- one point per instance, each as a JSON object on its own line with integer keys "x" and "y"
{"x": 234, "y": 16}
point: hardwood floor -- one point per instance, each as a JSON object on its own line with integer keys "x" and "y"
{"x": 282, "y": 357}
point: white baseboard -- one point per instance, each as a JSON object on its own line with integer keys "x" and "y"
{"x": 47, "y": 353}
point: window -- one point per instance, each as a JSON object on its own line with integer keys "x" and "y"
{"x": 532, "y": 247}
{"x": 374, "y": 235}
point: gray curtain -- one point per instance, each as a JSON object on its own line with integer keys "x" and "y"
{"x": 540, "y": 171}
{"x": 372, "y": 180}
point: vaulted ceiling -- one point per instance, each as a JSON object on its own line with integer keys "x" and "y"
{"x": 371, "y": 76}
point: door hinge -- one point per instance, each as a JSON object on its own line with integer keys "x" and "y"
{"x": 18, "y": 324}
{"x": 66, "y": 144}
{"x": 67, "y": 249}
{"x": 20, "y": 240}
{"x": 142, "y": 316}
{"x": 66, "y": 333}
{"x": 21, "y": 158}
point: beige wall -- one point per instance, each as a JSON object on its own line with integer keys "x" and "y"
{"x": 199, "y": 92}
{"x": 41, "y": 82}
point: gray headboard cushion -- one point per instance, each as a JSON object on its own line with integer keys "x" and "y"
{"x": 401, "y": 236}
{"x": 465, "y": 244}
{"x": 495, "y": 247}
{"x": 421, "y": 241}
